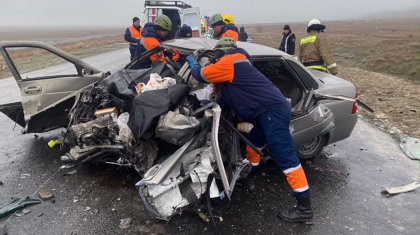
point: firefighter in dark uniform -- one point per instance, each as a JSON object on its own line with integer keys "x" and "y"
{"x": 255, "y": 99}
{"x": 314, "y": 51}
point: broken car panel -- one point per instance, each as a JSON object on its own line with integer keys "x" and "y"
{"x": 164, "y": 124}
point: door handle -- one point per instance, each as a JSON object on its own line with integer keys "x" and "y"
{"x": 32, "y": 89}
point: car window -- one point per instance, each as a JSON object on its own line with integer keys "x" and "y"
{"x": 31, "y": 63}
{"x": 306, "y": 79}
{"x": 282, "y": 78}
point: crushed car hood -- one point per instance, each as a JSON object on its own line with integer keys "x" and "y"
{"x": 193, "y": 44}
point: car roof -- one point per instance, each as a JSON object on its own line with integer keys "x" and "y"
{"x": 253, "y": 49}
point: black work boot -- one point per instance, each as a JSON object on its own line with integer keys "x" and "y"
{"x": 301, "y": 213}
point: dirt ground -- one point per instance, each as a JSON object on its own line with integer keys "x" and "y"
{"x": 381, "y": 57}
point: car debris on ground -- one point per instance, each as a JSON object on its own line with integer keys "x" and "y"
{"x": 411, "y": 147}
{"x": 70, "y": 172}
{"x": 17, "y": 204}
{"x": 53, "y": 143}
{"x": 125, "y": 223}
{"x": 402, "y": 189}
{"x": 45, "y": 195}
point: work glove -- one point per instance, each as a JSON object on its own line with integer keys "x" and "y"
{"x": 192, "y": 61}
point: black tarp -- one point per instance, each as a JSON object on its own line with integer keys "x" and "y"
{"x": 148, "y": 106}
{"x": 121, "y": 84}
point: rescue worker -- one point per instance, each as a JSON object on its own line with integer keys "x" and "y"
{"x": 243, "y": 36}
{"x": 255, "y": 99}
{"x": 288, "y": 41}
{"x": 314, "y": 52}
{"x": 184, "y": 32}
{"x": 221, "y": 29}
{"x": 132, "y": 35}
{"x": 228, "y": 19}
{"x": 153, "y": 35}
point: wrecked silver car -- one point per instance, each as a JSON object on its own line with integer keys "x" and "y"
{"x": 168, "y": 127}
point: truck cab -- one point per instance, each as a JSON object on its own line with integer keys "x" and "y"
{"x": 179, "y": 12}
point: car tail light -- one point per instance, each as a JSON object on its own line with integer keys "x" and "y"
{"x": 354, "y": 109}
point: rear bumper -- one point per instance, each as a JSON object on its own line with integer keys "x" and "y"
{"x": 343, "y": 128}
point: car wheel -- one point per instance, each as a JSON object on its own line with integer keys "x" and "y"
{"x": 311, "y": 148}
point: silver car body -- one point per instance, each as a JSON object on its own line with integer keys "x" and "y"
{"x": 45, "y": 98}
{"x": 322, "y": 113}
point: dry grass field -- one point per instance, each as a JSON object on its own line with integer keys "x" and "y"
{"x": 381, "y": 57}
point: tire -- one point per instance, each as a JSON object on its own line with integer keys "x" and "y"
{"x": 311, "y": 148}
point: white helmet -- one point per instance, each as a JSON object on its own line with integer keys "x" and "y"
{"x": 315, "y": 24}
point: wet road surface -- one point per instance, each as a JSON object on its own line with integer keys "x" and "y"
{"x": 346, "y": 183}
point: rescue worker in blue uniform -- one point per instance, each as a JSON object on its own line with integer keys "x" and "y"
{"x": 221, "y": 29}
{"x": 153, "y": 35}
{"x": 255, "y": 99}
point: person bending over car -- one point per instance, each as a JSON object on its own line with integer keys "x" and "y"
{"x": 152, "y": 36}
{"x": 255, "y": 99}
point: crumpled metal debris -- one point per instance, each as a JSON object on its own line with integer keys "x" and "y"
{"x": 402, "y": 189}
{"x": 411, "y": 147}
{"x": 45, "y": 195}
{"x": 125, "y": 223}
{"x": 70, "y": 172}
{"x": 17, "y": 204}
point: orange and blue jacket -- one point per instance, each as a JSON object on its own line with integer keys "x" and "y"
{"x": 229, "y": 31}
{"x": 149, "y": 40}
{"x": 244, "y": 89}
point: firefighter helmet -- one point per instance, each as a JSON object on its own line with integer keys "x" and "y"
{"x": 315, "y": 24}
{"x": 164, "y": 22}
{"x": 216, "y": 19}
{"x": 225, "y": 44}
{"x": 228, "y": 19}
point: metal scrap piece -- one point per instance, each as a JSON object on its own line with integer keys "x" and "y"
{"x": 411, "y": 147}
{"x": 402, "y": 189}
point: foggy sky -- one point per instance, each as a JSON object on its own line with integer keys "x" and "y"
{"x": 119, "y": 13}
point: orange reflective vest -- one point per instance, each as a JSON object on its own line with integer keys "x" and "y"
{"x": 136, "y": 34}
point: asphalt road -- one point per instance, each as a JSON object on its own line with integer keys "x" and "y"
{"x": 346, "y": 183}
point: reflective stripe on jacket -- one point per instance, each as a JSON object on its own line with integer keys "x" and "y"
{"x": 314, "y": 48}
{"x": 243, "y": 88}
{"x": 287, "y": 43}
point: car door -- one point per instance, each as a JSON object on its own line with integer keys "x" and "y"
{"x": 48, "y": 79}
{"x": 310, "y": 119}
{"x": 191, "y": 17}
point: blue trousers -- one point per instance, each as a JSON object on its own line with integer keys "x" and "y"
{"x": 272, "y": 128}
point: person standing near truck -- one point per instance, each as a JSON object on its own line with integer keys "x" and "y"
{"x": 132, "y": 36}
